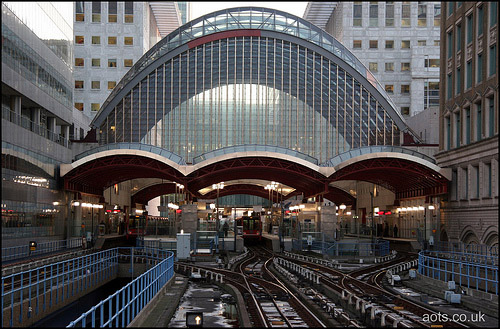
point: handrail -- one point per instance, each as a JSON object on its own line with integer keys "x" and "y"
{"x": 131, "y": 299}
{"x": 16, "y": 252}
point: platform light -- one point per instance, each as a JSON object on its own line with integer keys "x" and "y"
{"x": 343, "y": 206}
{"x": 348, "y": 213}
{"x": 76, "y": 203}
{"x": 421, "y": 208}
{"x": 139, "y": 211}
{"x": 431, "y": 207}
{"x": 415, "y": 208}
{"x": 212, "y": 206}
{"x": 302, "y": 206}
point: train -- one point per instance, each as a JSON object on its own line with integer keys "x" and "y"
{"x": 136, "y": 226}
{"x": 252, "y": 227}
{"x": 139, "y": 225}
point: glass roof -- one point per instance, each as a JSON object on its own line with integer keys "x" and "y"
{"x": 248, "y": 18}
{"x": 253, "y": 147}
{"x": 373, "y": 149}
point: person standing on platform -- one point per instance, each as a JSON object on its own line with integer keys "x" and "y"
{"x": 395, "y": 231}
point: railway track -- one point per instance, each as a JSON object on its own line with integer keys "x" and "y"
{"x": 371, "y": 294}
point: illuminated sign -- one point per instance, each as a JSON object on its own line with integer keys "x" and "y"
{"x": 194, "y": 319}
{"x": 32, "y": 245}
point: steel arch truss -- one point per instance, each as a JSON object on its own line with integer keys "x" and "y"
{"x": 405, "y": 178}
{"x": 301, "y": 178}
{"x": 94, "y": 176}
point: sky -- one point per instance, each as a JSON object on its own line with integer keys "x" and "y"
{"x": 199, "y": 8}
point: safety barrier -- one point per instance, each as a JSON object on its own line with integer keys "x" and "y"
{"x": 207, "y": 274}
{"x": 386, "y": 258}
{"x": 157, "y": 244}
{"x": 124, "y": 305}
{"x": 460, "y": 247}
{"x": 17, "y": 252}
{"x": 355, "y": 248}
{"x": 329, "y": 263}
{"x": 239, "y": 257}
{"x": 474, "y": 275}
{"x": 29, "y": 294}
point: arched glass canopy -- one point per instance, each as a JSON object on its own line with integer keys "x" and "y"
{"x": 250, "y": 76}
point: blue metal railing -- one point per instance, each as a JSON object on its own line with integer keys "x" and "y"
{"x": 34, "y": 291}
{"x": 481, "y": 275}
{"x": 18, "y": 252}
{"x": 359, "y": 249}
{"x": 124, "y": 305}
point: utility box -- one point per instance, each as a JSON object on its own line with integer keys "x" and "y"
{"x": 183, "y": 245}
{"x": 447, "y": 295}
{"x": 455, "y": 298}
{"x": 413, "y": 273}
{"x": 451, "y": 285}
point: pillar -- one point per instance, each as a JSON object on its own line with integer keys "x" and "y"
{"x": 328, "y": 221}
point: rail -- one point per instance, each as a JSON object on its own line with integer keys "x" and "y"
{"x": 124, "y": 305}
{"x": 473, "y": 275}
{"x": 18, "y": 252}
{"x": 30, "y": 293}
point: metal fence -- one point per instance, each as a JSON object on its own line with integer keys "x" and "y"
{"x": 37, "y": 290}
{"x": 345, "y": 248}
{"x": 158, "y": 244}
{"x": 18, "y": 252}
{"x": 124, "y": 305}
{"x": 460, "y": 247}
{"x": 467, "y": 270}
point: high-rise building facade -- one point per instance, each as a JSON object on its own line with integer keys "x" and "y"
{"x": 38, "y": 118}
{"x": 469, "y": 120}
{"x": 397, "y": 41}
{"x": 109, "y": 37}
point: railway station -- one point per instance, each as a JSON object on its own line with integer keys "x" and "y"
{"x": 291, "y": 191}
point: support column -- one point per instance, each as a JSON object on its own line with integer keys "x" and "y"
{"x": 328, "y": 222}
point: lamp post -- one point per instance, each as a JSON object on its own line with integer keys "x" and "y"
{"x": 373, "y": 215}
{"x": 218, "y": 186}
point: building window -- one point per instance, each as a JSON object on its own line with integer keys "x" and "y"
{"x": 79, "y": 39}
{"x": 448, "y": 132}
{"x": 421, "y": 43}
{"x": 96, "y": 40}
{"x": 112, "y": 12}
{"x": 356, "y": 44}
{"x": 405, "y": 44}
{"x": 479, "y": 122}
{"x": 128, "y": 41}
{"x": 373, "y": 14}
{"x": 480, "y": 18}
{"x": 389, "y": 13}
{"x": 458, "y": 79}
{"x": 449, "y": 44}
{"x": 94, "y": 107}
{"x": 468, "y": 75}
{"x": 491, "y": 116}
{"x": 467, "y": 126}
{"x": 457, "y": 129}
{"x": 405, "y": 89}
{"x": 431, "y": 94}
{"x": 492, "y": 60}
{"x": 111, "y": 40}
{"x": 422, "y": 14}
{"x": 389, "y": 67}
{"x": 96, "y": 62}
{"x": 405, "y": 110}
{"x": 431, "y": 62}
{"x": 112, "y": 62}
{"x": 475, "y": 183}
{"x": 96, "y": 11}
{"x": 389, "y": 44}
{"x": 96, "y": 84}
{"x": 79, "y": 61}
{"x": 127, "y": 62}
{"x": 129, "y": 12}
{"x": 449, "y": 87}
{"x": 373, "y": 44}
{"x": 78, "y": 84}
{"x": 437, "y": 43}
{"x": 493, "y": 13}
{"x": 373, "y": 66}
{"x": 469, "y": 28}
{"x": 111, "y": 84}
{"x": 79, "y": 106}
{"x": 79, "y": 11}
{"x": 406, "y": 14}
{"x": 487, "y": 180}
{"x": 454, "y": 184}
{"x": 459, "y": 37}
{"x": 479, "y": 72}
{"x": 449, "y": 7}
{"x": 389, "y": 89}
{"x": 437, "y": 15}
{"x": 405, "y": 66}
